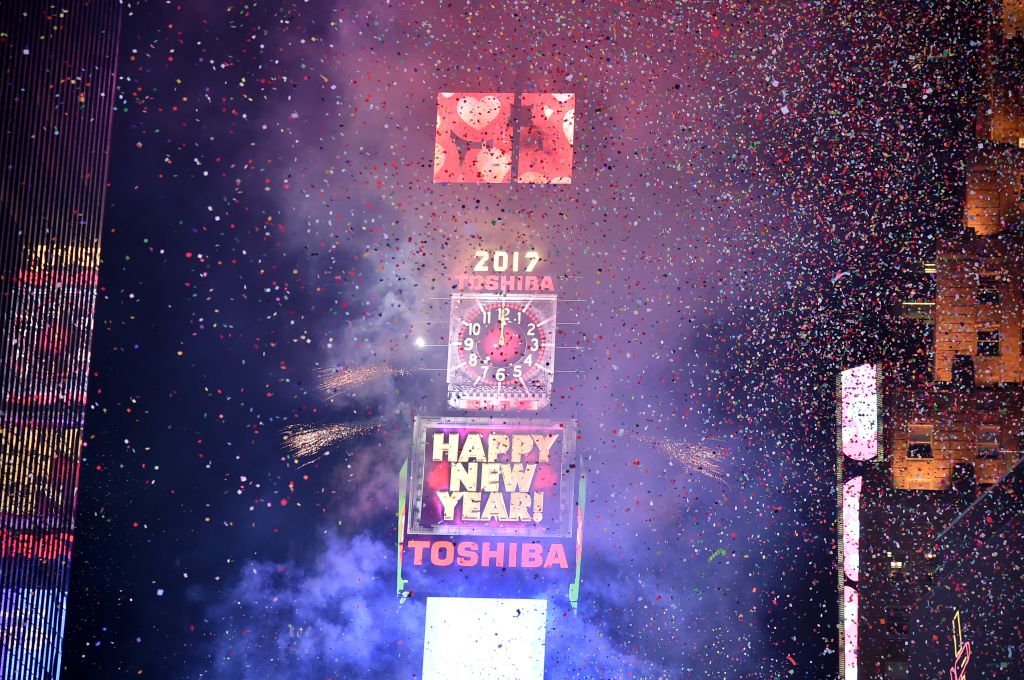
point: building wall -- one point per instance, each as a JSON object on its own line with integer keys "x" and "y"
{"x": 1012, "y": 18}
{"x": 961, "y": 311}
{"x": 957, "y": 422}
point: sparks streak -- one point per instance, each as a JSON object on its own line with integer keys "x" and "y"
{"x": 699, "y": 457}
{"x": 333, "y": 379}
{"x": 306, "y": 442}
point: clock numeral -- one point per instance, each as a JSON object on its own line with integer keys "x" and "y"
{"x": 534, "y": 344}
{"x": 474, "y": 329}
{"x": 499, "y": 375}
{"x": 472, "y": 359}
{"x": 534, "y": 257}
{"x": 467, "y": 344}
{"x": 530, "y": 328}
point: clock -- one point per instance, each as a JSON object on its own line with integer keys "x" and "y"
{"x": 501, "y": 351}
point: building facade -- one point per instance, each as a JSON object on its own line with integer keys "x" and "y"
{"x": 949, "y": 432}
{"x": 56, "y": 110}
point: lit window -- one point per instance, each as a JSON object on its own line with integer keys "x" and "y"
{"x": 920, "y": 441}
{"x": 988, "y": 442}
{"x": 988, "y": 343}
{"x": 988, "y": 290}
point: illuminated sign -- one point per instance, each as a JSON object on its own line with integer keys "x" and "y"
{"x": 34, "y": 546}
{"x": 851, "y": 528}
{"x": 961, "y": 651}
{"x": 850, "y": 632}
{"x": 493, "y": 477}
{"x": 859, "y": 417}
{"x": 35, "y": 466}
{"x": 492, "y": 494}
{"x": 857, "y": 420}
{"x": 474, "y": 138}
{"x": 498, "y": 639}
{"x": 851, "y": 569}
{"x": 31, "y": 620}
{"x": 52, "y": 323}
{"x": 501, "y": 351}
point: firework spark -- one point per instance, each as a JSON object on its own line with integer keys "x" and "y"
{"x": 699, "y": 457}
{"x": 308, "y": 443}
{"x": 334, "y": 379}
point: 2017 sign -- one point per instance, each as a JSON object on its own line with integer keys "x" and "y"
{"x": 474, "y": 138}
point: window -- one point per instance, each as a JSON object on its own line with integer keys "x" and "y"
{"x": 988, "y": 290}
{"x": 988, "y": 442}
{"x": 920, "y": 441}
{"x": 988, "y": 343}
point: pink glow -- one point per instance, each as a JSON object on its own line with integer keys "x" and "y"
{"x": 850, "y": 631}
{"x": 545, "y": 155}
{"x": 859, "y": 390}
{"x": 851, "y": 528}
{"x": 482, "y": 120}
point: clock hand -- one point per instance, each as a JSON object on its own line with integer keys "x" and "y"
{"x": 501, "y": 337}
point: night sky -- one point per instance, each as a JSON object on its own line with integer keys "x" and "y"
{"x": 755, "y": 186}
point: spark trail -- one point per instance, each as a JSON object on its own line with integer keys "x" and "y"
{"x": 334, "y": 379}
{"x": 698, "y": 457}
{"x": 307, "y": 442}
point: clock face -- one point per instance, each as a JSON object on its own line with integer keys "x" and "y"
{"x": 505, "y": 342}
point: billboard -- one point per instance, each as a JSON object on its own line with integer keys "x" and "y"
{"x": 859, "y": 418}
{"x": 858, "y": 447}
{"x": 474, "y": 137}
{"x": 31, "y": 625}
{"x": 495, "y": 497}
{"x": 482, "y": 476}
{"x": 497, "y": 638}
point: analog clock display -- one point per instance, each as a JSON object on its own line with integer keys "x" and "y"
{"x": 501, "y": 350}
{"x": 505, "y": 342}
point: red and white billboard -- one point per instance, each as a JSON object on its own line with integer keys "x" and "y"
{"x": 475, "y": 140}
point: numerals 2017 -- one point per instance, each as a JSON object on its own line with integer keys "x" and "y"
{"x": 504, "y": 261}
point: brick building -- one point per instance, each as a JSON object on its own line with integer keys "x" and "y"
{"x": 950, "y": 432}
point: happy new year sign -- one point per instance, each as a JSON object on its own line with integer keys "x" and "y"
{"x": 493, "y": 477}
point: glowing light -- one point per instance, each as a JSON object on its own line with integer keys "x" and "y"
{"x": 306, "y": 442}
{"x": 851, "y": 528}
{"x": 859, "y": 397}
{"x": 698, "y": 457}
{"x": 484, "y": 638}
{"x": 850, "y": 629}
{"x": 420, "y": 342}
{"x": 962, "y": 650}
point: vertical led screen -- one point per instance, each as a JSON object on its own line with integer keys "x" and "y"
{"x": 858, "y": 445}
{"x": 51, "y": 216}
{"x": 859, "y": 417}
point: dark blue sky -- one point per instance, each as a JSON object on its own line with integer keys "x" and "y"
{"x": 272, "y": 212}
